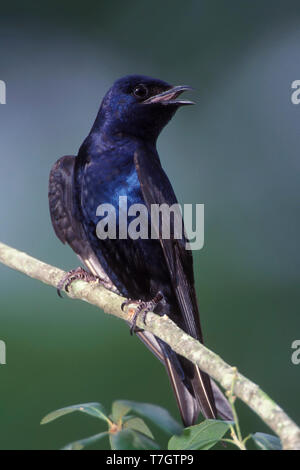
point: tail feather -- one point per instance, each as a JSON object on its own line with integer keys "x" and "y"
{"x": 192, "y": 388}
{"x": 222, "y": 404}
{"x": 187, "y": 404}
{"x": 203, "y": 391}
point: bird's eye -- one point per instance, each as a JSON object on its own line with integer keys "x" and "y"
{"x": 140, "y": 91}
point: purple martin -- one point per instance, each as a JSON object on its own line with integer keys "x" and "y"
{"x": 119, "y": 158}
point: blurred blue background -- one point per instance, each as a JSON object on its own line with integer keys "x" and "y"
{"x": 236, "y": 152}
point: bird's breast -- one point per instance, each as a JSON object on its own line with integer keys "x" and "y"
{"x": 109, "y": 181}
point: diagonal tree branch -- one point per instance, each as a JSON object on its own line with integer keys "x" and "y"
{"x": 166, "y": 330}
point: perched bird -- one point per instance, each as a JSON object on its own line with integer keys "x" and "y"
{"x": 119, "y": 158}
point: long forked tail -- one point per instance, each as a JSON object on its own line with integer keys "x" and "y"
{"x": 192, "y": 387}
{"x": 195, "y": 392}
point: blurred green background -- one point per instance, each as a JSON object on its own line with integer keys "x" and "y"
{"x": 236, "y": 152}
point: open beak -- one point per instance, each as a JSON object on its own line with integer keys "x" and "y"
{"x": 170, "y": 96}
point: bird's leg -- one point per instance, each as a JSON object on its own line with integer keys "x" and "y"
{"x": 80, "y": 273}
{"x": 142, "y": 307}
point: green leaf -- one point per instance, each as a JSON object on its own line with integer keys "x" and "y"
{"x": 119, "y": 409}
{"x": 79, "y": 445}
{"x": 158, "y": 415}
{"x": 92, "y": 409}
{"x": 138, "y": 425}
{"x": 128, "y": 439}
{"x": 266, "y": 441}
{"x": 202, "y": 436}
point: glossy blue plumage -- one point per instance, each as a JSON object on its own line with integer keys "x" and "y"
{"x": 119, "y": 158}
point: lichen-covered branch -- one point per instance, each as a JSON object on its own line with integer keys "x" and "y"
{"x": 166, "y": 330}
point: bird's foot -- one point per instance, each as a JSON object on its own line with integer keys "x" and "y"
{"x": 80, "y": 273}
{"x": 142, "y": 307}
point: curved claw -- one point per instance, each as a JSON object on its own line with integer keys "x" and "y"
{"x": 125, "y": 304}
{"x": 80, "y": 273}
{"x": 59, "y": 293}
{"x": 143, "y": 307}
{"x": 71, "y": 276}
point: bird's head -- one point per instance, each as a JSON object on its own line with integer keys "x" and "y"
{"x": 139, "y": 106}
